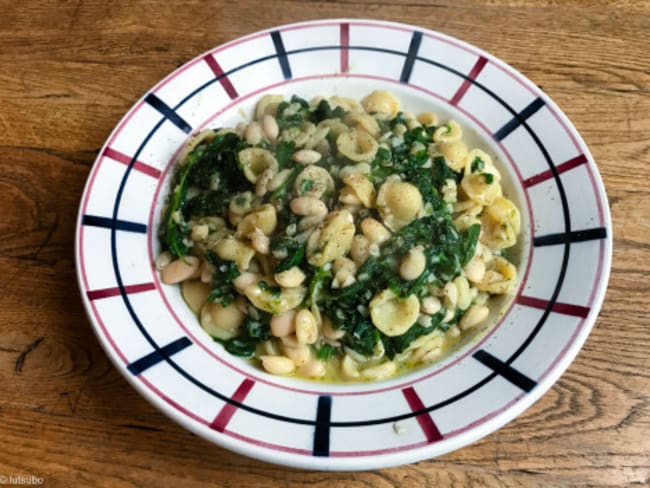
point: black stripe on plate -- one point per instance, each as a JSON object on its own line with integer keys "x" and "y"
{"x": 108, "y": 223}
{"x": 282, "y": 54}
{"x": 168, "y": 113}
{"x": 153, "y": 358}
{"x": 573, "y": 236}
{"x": 517, "y": 120}
{"x": 505, "y": 370}
{"x": 412, "y": 53}
{"x": 322, "y": 432}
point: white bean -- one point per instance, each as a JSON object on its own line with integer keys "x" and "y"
{"x": 260, "y": 241}
{"x": 380, "y": 371}
{"x": 180, "y": 270}
{"x": 374, "y": 230}
{"x": 270, "y": 125}
{"x": 330, "y": 332}
{"x": 464, "y": 295}
{"x": 474, "y": 316}
{"x": 163, "y": 259}
{"x": 244, "y": 280}
{"x": 306, "y": 327}
{"x": 449, "y": 314}
{"x": 271, "y": 347}
{"x": 413, "y": 264}
{"x": 300, "y": 354}
{"x": 450, "y": 293}
{"x": 453, "y": 331}
{"x": 430, "y": 305}
{"x": 254, "y": 133}
{"x": 312, "y": 369}
{"x": 308, "y": 206}
{"x": 240, "y": 129}
{"x": 200, "y": 232}
{"x": 207, "y": 271}
{"x": 360, "y": 250}
{"x": 310, "y": 221}
{"x": 306, "y": 156}
{"x": 475, "y": 270}
{"x": 290, "y": 278}
{"x": 350, "y": 367}
{"x": 262, "y": 184}
{"x": 278, "y": 180}
{"x": 283, "y": 325}
{"x": 277, "y": 364}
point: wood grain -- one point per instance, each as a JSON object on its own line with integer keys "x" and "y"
{"x": 70, "y": 70}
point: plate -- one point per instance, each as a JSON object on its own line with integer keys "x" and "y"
{"x": 156, "y": 343}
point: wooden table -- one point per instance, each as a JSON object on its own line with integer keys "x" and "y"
{"x": 70, "y": 70}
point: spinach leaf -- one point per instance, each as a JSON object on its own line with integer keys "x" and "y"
{"x": 442, "y": 172}
{"x": 219, "y": 164}
{"x": 468, "y": 244}
{"x": 223, "y": 291}
{"x": 326, "y": 351}
{"x": 252, "y": 332}
{"x": 283, "y": 153}
{"x": 362, "y": 335}
{"x": 324, "y": 111}
{"x": 320, "y": 280}
{"x": 293, "y": 113}
{"x": 290, "y": 252}
{"x": 175, "y": 230}
{"x": 240, "y": 347}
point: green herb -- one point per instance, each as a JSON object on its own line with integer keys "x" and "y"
{"x": 282, "y": 194}
{"x": 489, "y": 178}
{"x": 274, "y": 291}
{"x": 324, "y": 111}
{"x": 293, "y": 250}
{"x": 326, "y": 351}
{"x": 256, "y": 329}
{"x": 442, "y": 172}
{"x": 397, "y": 344}
{"x": 293, "y": 113}
{"x": 319, "y": 281}
{"x": 252, "y": 332}
{"x": 477, "y": 165}
{"x": 240, "y": 347}
{"x": 223, "y": 291}
{"x": 468, "y": 244}
{"x": 219, "y": 163}
{"x": 211, "y": 167}
{"x": 175, "y": 230}
{"x": 418, "y": 134}
{"x": 362, "y": 336}
{"x": 283, "y": 153}
{"x": 306, "y": 185}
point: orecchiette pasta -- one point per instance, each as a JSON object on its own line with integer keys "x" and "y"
{"x": 357, "y": 145}
{"x": 339, "y": 240}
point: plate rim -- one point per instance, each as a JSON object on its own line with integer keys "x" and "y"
{"x": 392, "y": 459}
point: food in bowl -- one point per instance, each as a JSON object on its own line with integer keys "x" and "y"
{"x": 339, "y": 240}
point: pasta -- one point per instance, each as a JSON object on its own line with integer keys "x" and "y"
{"x": 339, "y": 240}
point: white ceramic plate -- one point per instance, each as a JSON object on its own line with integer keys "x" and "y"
{"x": 156, "y": 342}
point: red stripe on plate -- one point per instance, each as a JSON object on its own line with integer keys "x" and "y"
{"x": 220, "y": 422}
{"x": 561, "y": 168}
{"x": 476, "y": 69}
{"x": 345, "y": 42}
{"x": 223, "y": 79}
{"x": 124, "y": 159}
{"x": 558, "y": 307}
{"x": 113, "y": 292}
{"x": 424, "y": 419}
